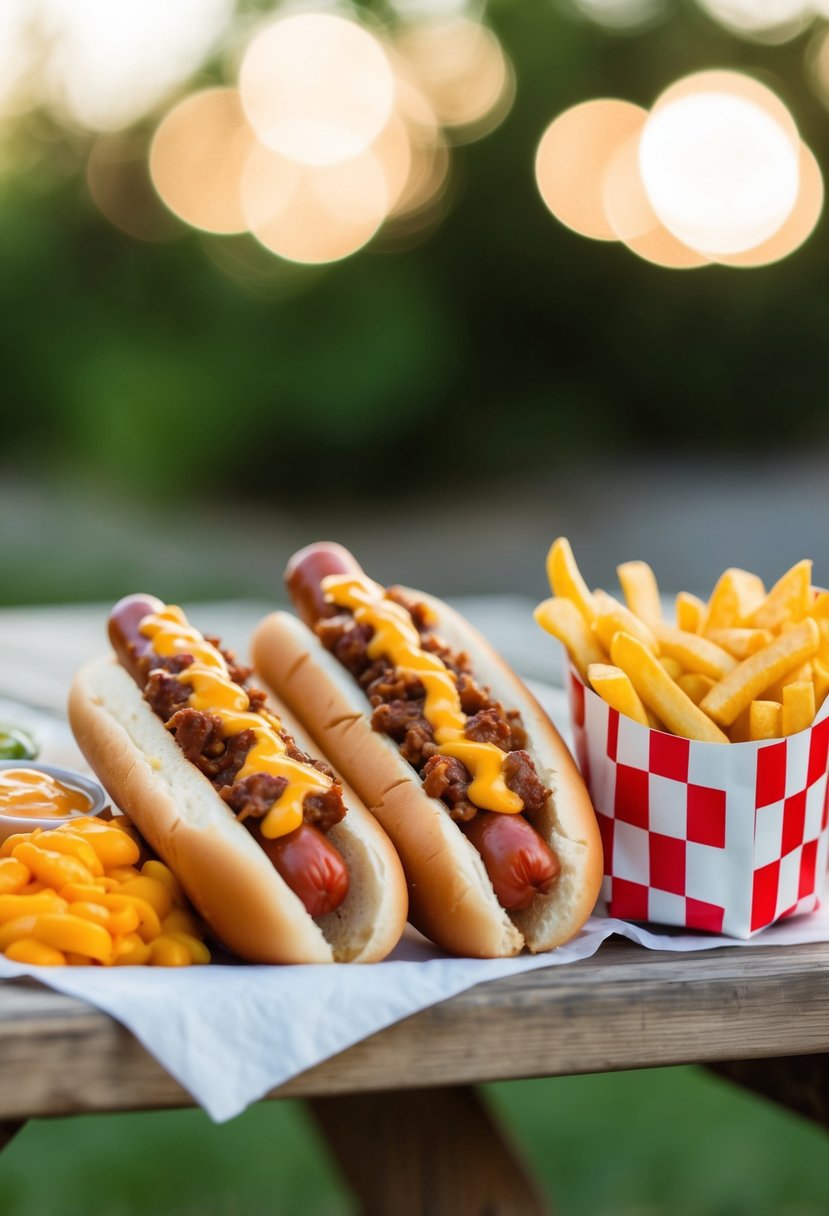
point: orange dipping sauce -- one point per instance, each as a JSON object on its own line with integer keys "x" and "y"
{"x": 25, "y": 792}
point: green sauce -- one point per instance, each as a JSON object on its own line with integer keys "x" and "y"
{"x": 16, "y": 744}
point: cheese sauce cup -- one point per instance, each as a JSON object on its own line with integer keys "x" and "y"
{"x": 34, "y": 795}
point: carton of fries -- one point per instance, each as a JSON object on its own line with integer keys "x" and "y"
{"x": 728, "y": 839}
{"x": 705, "y": 748}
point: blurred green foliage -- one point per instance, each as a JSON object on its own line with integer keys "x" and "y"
{"x": 501, "y": 342}
{"x": 670, "y": 1142}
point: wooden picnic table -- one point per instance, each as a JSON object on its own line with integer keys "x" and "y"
{"x": 400, "y": 1110}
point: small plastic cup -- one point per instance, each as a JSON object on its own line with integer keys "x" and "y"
{"x": 98, "y": 801}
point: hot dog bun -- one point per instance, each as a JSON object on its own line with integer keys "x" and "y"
{"x": 451, "y": 897}
{"x": 226, "y": 875}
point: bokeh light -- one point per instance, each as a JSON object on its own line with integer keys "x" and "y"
{"x": 625, "y": 202}
{"x": 107, "y": 64}
{"x": 621, "y": 14}
{"x": 393, "y": 151}
{"x": 661, "y": 248}
{"x": 346, "y": 164}
{"x": 715, "y": 172}
{"x": 429, "y": 159}
{"x": 425, "y": 188}
{"x": 633, "y": 219}
{"x": 463, "y": 71}
{"x": 769, "y": 21}
{"x": 118, "y": 180}
{"x": 316, "y": 88}
{"x": 18, "y": 56}
{"x": 197, "y": 158}
{"x": 313, "y": 155}
{"x": 313, "y": 213}
{"x": 798, "y": 227}
{"x": 573, "y": 157}
{"x": 733, "y": 84}
{"x": 719, "y": 172}
{"x": 817, "y": 64}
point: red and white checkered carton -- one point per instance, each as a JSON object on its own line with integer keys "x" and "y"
{"x": 722, "y": 837}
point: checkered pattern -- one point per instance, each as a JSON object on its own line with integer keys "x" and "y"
{"x": 708, "y": 836}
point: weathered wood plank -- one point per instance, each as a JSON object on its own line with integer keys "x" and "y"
{"x": 625, "y": 1008}
{"x": 435, "y": 1152}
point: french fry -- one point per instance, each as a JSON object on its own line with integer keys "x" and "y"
{"x": 641, "y": 591}
{"x": 614, "y": 687}
{"x": 566, "y": 580}
{"x": 659, "y": 692}
{"x": 695, "y": 653}
{"x": 613, "y": 617}
{"x": 820, "y": 611}
{"x": 694, "y": 685}
{"x": 820, "y": 678}
{"x": 747, "y": 665}
{"x": 736, "y": 594}
{"x": 789, "y": 600}
{"x": 775, "y": 691}
{"x": 798, "y": 706}
{"x": 690, "y": 610}
{"x": 740, "y": 643}
{"x": 672, "y": 666}
{"x": 823, "y": 646}
{"x": 759, "y": 720}
{"x": 562, "y": 619}
{"x": 765, "y": 720}
{"x": 820, "y": 607}
{"x": 755, "y": 674}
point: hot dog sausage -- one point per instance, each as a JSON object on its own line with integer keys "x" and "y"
{"x": 311, "y": 866}
{"x": 308, "y": 863}
{"x": 519, "y": 863}
{"x": 305, "y": 572}
{"x": 128, "y": 643}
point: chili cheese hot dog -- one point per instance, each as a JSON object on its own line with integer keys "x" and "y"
{"x": 484, "y": 804}
{"x": 307, "y": 862}
{"x": 281, "y": 860}
{"x": 519, "y": 863}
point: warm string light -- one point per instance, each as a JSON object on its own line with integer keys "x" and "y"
{"x": 715, "y": 172}
{"x": 765, "y": 21}
{"x": 721, "y": 175}
{"x": 316, "y": 88}
{"x": 102, "y": 65}
{"x": 621, "y": 14}
{"x": 769, "y": 22}
{"x": 333, "y": 133}
{"x": 197, "y": 156}
{"x": 574, "y": 156}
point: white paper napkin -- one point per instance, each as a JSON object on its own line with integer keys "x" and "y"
{"x": 228, "y": 1034}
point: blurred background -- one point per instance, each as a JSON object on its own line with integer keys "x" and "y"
{"x": 183, "y": 406}
{"x": 233, "y": 323}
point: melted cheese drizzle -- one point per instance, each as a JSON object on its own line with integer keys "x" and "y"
{"x": 215, "y": 693}
{"x": 396, "y": 638}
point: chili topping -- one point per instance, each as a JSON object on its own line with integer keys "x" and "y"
{"x": 468, "y": 749}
